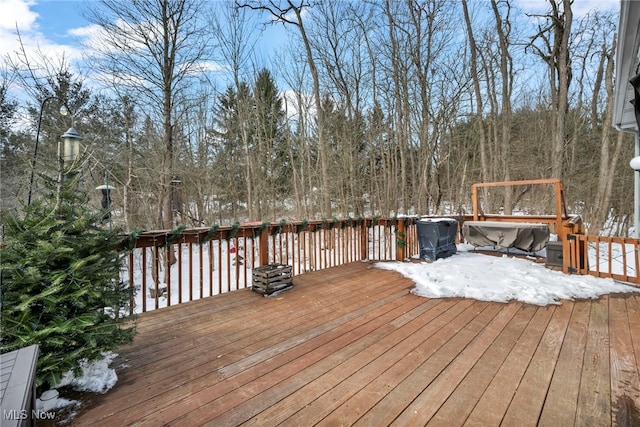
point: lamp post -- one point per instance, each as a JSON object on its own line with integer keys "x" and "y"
{"x": 63, "y": 112}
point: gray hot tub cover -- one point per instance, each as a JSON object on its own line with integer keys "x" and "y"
{"x": 529, "y": 237}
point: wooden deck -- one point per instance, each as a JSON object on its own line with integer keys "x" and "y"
{"x": 352, "y": 346}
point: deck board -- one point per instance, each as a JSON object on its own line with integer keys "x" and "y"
{"x": 461, "y": 402}
{"x": 562, "y": 397}
{"x": 594, "y": 398}
{"x": 527, "y": 403}
{"x": 351, "y": 345}
{"x": 625, "y": 377}
{"x": 434, "y": 396}
{"x": 497, "y": 397}
{"x": 399, "y": 377}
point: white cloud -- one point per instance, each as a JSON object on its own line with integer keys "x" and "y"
{"x": 20, "y": 26}
{"x": 579, "y": 7}
{"x": 17, "y": 12}
{"x": 86, "y": 32}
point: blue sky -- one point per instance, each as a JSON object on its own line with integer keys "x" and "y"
{"x": 57, "y": 17}
{"x": 55, "y": 24}
{"x": 48, "y": 25}
{"x": 57, "y": 27}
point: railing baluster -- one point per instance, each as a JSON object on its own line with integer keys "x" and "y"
{"x": 305, "y": 241}
{"x": 132, "y": 298}
{"x": 167, "y": 271}
{"x": 144, "y": 279}
{"x": 624, "y": 259}
{"x": 244, "y": 261}
{"x": 156, "y": 267}
{"x": 230, "y": 265}
{"x": 200, "y": 267}
{"x": 219, "y": 266}
{"x": 637, "y": 261}
{"x": 211, "y": 265}
{"x": 180, "y": 272}
{"x": 237, "y": 262}
{"x": 597, "y": 256}
{"x": 610, "y": 256}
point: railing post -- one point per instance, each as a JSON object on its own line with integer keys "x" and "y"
{"x": 364, "y": 240}
{"x": 573, "y": 254}
{"x": 264, "y": 246}
{"x": 559, "y": 209}
{"x": 474, "y": 201}
{"x": 401, "y": 239}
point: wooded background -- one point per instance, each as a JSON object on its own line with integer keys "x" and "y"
{"x": 372, "y": 107}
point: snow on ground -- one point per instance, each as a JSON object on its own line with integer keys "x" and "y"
{"x": 500, "y": 279}
{"x": 96, "y": 377}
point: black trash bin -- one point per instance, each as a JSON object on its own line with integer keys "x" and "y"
{"x": 437, "y": 238}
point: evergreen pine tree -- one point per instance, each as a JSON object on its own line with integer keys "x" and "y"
{"x": 60, "y": 283}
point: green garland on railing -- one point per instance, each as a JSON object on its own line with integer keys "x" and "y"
{"x": 129, "y": 241}
{"x": 347, "y": 222}
{"x": 263, "y": 226}
{"x": 374, "y": 221}
{"x": 400, "y": 239}
{"x": 300, "y": 227}
{"x": 359, "y": 221}
{"x": 234, "y": 230}
{"x": 258, "y": 232}
{"x": 280, "y": 227}
{"x": 174, "y": 235}
{"x": 213, "y": 230}
{"x": 393, "y": 221}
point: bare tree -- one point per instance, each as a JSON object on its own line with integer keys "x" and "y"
{"x": 237, "y": 40}
{"x": 290, "y": 13}
{"x": 340, "y": 49}
{"x": 298, "y": 136}
{"x": 479, "y": 103}
{"x": 554, "y": 51}
{"x": 503, "y": 30}
{"x": 610, "y": 143}
{"x": 153, "y": 48}
{"x": 398, "y": 95}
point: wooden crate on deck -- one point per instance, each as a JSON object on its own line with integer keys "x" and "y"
{"x": 271, "y": 279}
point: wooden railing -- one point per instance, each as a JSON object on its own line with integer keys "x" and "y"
{"x": 608, "y": 257}
{"x": 165, "y": 268}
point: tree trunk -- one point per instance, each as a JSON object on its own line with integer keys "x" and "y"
{"x": 479, "y": 122}
{"x": 608, "y": 163}
{"x": 506, "y": 75}
{"x": 562, "y": 31}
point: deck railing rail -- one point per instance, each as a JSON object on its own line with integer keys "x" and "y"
{"x": 169, "y": 267}
{"x": 606, "y": 257}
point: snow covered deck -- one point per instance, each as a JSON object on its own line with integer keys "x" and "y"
{"x": 351, "y": 345}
